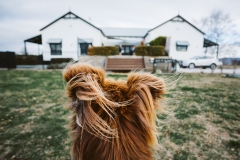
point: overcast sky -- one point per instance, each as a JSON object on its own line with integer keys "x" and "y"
{"x": 22, "y": 19}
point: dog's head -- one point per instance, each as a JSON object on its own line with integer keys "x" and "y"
{"x": 117, "y": 116}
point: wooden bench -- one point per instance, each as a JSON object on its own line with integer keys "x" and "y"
{"x": 124, "y": 64}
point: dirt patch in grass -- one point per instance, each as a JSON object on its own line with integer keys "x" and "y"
{"x": 33, "y": 119}
{"x": 206, "y": 108}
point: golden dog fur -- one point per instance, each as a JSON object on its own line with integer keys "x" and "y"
{"x": 112, "y": 120}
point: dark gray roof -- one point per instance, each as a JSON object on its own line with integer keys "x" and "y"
{"x": 36, "y": 39}
{"x": 209, "y": 43}
{"x": 125, "y": 32}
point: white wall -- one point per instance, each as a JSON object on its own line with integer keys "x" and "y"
{"x": 179, "y": 31}
{"x": 69, "y": 30}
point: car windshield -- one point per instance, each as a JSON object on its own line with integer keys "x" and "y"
{"x": 194, "y": 57}
{"x": 208, "y": 57}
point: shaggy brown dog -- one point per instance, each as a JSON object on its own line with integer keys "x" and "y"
{"x": 112, "y": 120}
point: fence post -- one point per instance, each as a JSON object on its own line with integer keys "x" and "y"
{"x": 154, "y": 66}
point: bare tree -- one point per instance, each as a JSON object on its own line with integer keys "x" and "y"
{"x": 219, "y": 28}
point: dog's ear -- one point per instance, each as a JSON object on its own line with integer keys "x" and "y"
{"x": 78, "y": 69}
{"x": 146, "y": 90}
{"x": 89, "y": 102}
{"x": 140, "y": 81}
{"x": 81, "y": 78}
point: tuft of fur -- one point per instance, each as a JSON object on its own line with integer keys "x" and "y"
{"x": 112, "y": 120}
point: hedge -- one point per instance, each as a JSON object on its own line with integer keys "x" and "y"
{"x": 150, "y": 51}
{"x": 104, "y": 50}
{"x": 29, "y": 59}
{"x": 60, "y": 60}
{"x": 159, "y": 41}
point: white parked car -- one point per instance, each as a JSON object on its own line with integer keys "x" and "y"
{"x": 201, "y": 61}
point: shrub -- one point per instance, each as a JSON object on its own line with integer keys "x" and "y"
{"x": 104, "y": 50}
{"x": 91, "y": 50}
{"x": 60, "y": 60}
{"x": 149, "y": 51}
{"x": 159, "y": 41}
{"x": 29, "y": 59}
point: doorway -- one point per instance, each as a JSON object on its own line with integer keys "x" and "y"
{"x": 84, "y": 48}
{"x": 127, "y": 50}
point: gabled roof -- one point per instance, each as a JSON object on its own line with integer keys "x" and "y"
{"x": 122, "y": 32}
{"x": 177, "y": 18}
{"x": 125, "y": 32}
{"x": 71, "y": 15}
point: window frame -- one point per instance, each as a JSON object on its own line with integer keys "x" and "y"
{"x": 55, "y": 51}
{"x": 182, "y": 48}
{"x": 130, "y": 49}
{"x": 84, "y": 54}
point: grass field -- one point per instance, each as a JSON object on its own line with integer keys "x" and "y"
{"x": 203, "y": 120}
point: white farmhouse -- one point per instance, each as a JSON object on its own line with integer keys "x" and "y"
{"x": 70, "y": 36}
{"x": 183, "y": 39}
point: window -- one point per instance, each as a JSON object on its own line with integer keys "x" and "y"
{"x": 56, "y": 48}
{"x": 196, "y": 57}
{"x": 182, "y": 45}
{"x": 182, "y": 48}
{"x": 208, "y": 57}
{"x": 201, "y": 57}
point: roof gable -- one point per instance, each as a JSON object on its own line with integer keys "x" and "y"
{"x": 71, "y": 15}
{"x": 177, "y": 18}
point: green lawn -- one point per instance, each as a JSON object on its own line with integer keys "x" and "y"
{"x": 203, "y": 120}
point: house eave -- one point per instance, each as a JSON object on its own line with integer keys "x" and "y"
{"x": 77, "y": 17}
{"x": 172, "y": 19}
{"x": 37, "y": 39}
